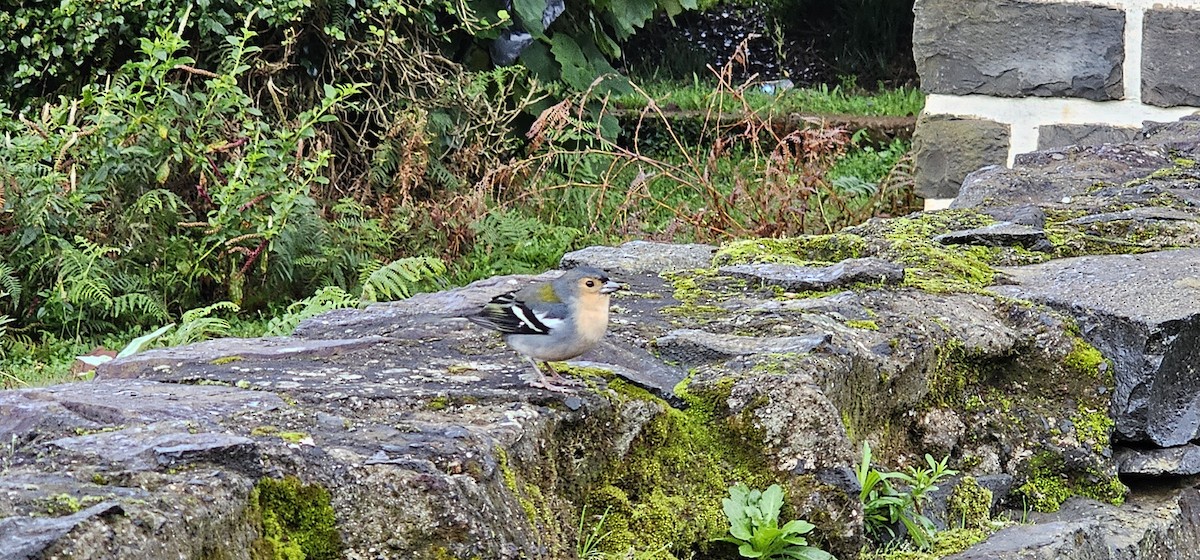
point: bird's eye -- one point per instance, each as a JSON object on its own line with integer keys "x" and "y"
{"x": 591, "y": 283}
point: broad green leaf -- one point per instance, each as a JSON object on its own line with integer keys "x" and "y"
{"x": 576, "y": 71}
{"x": 136, "y": 344}
{"x": 771, "y": 503}
{"x": 530, "y": 14}
{"x": 798, "y": 527}
{"x": 748, "y": 551}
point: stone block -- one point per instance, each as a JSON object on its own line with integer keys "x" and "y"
{"x": 948, "y": 148}
{"x": 1012, "y": 48}
{"x": 1059, "y": 135}
{"x": 1171, "y": 57}
{"x": 1141, "y": 311}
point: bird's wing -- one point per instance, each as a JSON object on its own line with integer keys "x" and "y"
{"x": 510, "y": 315}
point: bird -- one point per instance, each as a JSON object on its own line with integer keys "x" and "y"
{"x": 552, "y": 321}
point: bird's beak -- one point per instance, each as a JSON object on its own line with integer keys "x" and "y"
{"x": 610, "y": 287}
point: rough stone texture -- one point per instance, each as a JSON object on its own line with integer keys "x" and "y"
{"x": 1013, "y": 48}
{"x": 1000, "y": 234}
{"x": 1159, "y": 525}
{"x": 1058, "y": 175}
{"x": 1174, "y": 461}
{"x": 1059, "y": 135}
{"x": 1171, "y": 57}
{"x": 1143, "y": 311}
{"x": 431, "y": 445}
{"x": 1177, "y": 135}
{"x": 948, "y": 148}
{"x": 803, "y": 278}
{"x": 691, "y": 347}
{"x": 642, "y": 257}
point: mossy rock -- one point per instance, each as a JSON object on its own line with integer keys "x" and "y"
{"x": 298, "y": 521}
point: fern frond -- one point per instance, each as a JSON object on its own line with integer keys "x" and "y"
{"x": 399, "y": 279}
{"x": 197, "y": 324}
{"x": 326, "y": 299}
{"x": 137, "y": 306}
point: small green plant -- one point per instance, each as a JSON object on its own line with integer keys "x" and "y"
{"x": 754, "y": 526}
{"x": 887, "y": 505}
{"x": 588, "y": 547}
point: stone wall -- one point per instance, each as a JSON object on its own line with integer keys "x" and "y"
{"x": 1005, "y": 77}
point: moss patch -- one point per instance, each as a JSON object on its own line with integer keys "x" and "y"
{"x": 807, "y": 249}
{"x": 665, "y": 494}
{"x": 934, "y": 267}
{"x": 1092, "y": 427}
{"x": 1049, "y": 484}
{"x": 1084, "y": 359}
{"x": 970, "y": 505}
{"x": 298, "y": 521}
{"x": 868, "y": 325}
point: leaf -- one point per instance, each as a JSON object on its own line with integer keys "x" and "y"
{"x": 136, "y": 344}
{"x": 530, "y": 14}
{"x": 628, "y": 15}
{"x": 770, "y": 504}
{"x": 748, "y": 551}
{"x": 576, "y": 71}
{"x": 797, "y": 527}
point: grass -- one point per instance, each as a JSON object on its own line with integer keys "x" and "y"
{"x": 846, "y": 99}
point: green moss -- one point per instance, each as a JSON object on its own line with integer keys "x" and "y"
{"x": 298, "y": 521}
{"x": 1092, "y": 427}
{"x": 934, "y": 267}
{"x": 953, "y": 541}
{"x": 264, "y": 431}
{"x": 293, "y": 437}
{"x": 868, "y": 325}
{"x": 440, "y": 402}
{"x": 99, "y": 479}
{"x": 665, "y": 494}
{"x": 806, "y": 249}
{"x": 1049, "y": 484}
{"x": 62, "y": 504}
{"x": 225, "y": 360}
{"x": 1084, "y": 359}
{"x": 970, "y": 505}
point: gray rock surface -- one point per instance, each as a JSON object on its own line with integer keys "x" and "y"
{"x": 1012, "y": 48}
{"x": 797, "y": 278}
{"x": 1000, "y": 234}
{"x": 1171, "y": 57}
{"x": 1183, "y": 460}
{"x": 948, "y": 148}
{"x": 1160, "y": 525}
{"x": 1060, "y": 135}
{"x": 1143, "y": 311}
{"x": 642, "y": 257}
{"x": 1052, "y": 176}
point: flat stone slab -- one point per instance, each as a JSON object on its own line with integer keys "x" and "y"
{"x": 798, "y": 278}
{"x": 1002, "y": 234}
{"x": 1143, "y": 312}
{"x": 1087, "y": 530}
{"x": 642, "y": 257}
{"x": 691, "y": 347}
{"x": 1183, "y": 460}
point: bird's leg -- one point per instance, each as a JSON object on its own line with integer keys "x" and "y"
{"x": 559, "y": 379}
{"x": 540, "y": 381}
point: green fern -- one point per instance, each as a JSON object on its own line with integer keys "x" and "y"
{"x": 326, "y": 299}
{"x": 401, "y": 278}
{"x": 199, "y": 324}
{"x": 10, "y": 286}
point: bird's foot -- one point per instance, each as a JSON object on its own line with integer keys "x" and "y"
{"x": 558, "y": 379}
{"x": 550, "y": 386}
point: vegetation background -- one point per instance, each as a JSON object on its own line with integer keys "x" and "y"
{"x": 231, "y": 166}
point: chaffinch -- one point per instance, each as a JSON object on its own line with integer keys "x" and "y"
{"x": 552, "y": 321}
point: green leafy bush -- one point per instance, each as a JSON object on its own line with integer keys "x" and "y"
{"x": 754, "y": 526}
{"x": 887, "y": 505}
